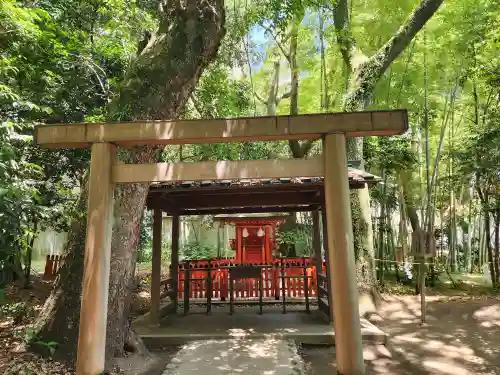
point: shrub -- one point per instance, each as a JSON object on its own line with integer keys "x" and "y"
{"x": 197, "y": 251}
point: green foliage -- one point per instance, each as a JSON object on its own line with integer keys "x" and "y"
{"x": 51, "y": 346}
{"x": 219, "y": 95}
{"x": 145, "y": 237}
{"x": 480, "y": 160}
{"x": 390, "y": 154}
{"x": 299, "y": 237}
{"x": 145, "y": 254}
{"x": 17, "y": 311}
{"x": 59, "y": 62}
{"x": 28, "y": 334}
{"x": 198, "y": 251}
{"x": 293, "y": 236}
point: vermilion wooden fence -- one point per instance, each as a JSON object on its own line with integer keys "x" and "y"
{"x": 52, "y": 264}
{"x": 272, "y": 279}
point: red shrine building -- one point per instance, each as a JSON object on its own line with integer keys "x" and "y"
{"x": 254, "y": 237}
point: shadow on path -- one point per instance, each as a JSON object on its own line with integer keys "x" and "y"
{"x": 462, "y": 337}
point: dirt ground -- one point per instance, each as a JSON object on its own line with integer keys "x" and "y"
{"x": 461, "y": 337}
{"x": 14, "y": 331}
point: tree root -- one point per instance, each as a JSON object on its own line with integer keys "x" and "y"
{"x": 134, "y": 344}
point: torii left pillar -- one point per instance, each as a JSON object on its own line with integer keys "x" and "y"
{"x": 94, "y": 308}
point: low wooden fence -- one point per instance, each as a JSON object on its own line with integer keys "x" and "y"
{"x": 280, "y": 277}
{"x": 52, "y": 264}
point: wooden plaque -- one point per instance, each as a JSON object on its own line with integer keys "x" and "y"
{"x": 245, "y": 272}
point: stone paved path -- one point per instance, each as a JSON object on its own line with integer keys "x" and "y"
{"x": 266, "y": 356}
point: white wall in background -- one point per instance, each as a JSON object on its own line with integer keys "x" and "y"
{"x": 49, "y": 242}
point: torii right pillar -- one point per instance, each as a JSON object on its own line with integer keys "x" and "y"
{"x": 342, "y": 281}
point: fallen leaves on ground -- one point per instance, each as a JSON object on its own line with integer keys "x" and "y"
{"x": 14, "y": 359}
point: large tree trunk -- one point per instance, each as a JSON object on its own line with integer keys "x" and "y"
{"x": 497, "y": 246}
{"x": 299, "y": 150}
{"x": 58, "y": 321}
{"x": 365, "y": 73}
{"x": 493, "y": 265}
{"x": 491, "y": 258}
{"x": 156, "y": 86}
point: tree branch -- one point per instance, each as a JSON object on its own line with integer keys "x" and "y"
{"x": 278, "y": 43}
{"x": 197, "y": 106}
{"x": 286, "y": 95}
{"x": 299, "y": 150}
{"x": 345, "y": 40}
{"x": 260, "y": 98}
{"x": 412, "y": 25}
{"x": 272, "y": 97}
{"x": 367, "y": 72}
{"x": 480, "y": 191}
{"x": 306, "y": 146}
{"x": 249, "y": 62}
{"x": 380, "y": 61}
{"x": 295, "y": 148}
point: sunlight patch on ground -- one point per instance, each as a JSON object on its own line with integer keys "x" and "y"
{"x": 409, "y": 338}
{"x": 476, "y": 279}
{"x": 268, "y": 356}
{"x": 437, "y": 366}
{"x": 488, "y": 316}
{"x": 488, "y": 312}
{"x": 375, "y": 353}
{"x": 144, "y": 294}
{"x": 240, "y": 332}
{"x": 288, "y": 330}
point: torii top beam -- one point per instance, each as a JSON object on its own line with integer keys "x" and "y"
{"x": 243, "y": 129}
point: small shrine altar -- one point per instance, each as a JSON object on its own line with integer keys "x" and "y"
{"x": 255, "y": 237}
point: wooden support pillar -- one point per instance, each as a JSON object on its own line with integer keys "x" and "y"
{"x": 218, "y": 239}
{"x": 327, "y": 261}
{"x": 94, "y": 305}
{"x": 269, "y": 255}
{"x": 175, "y": 259}
{"x": 263, "y": 250}
{"x": 239, "y": 252}
{"x": 317, "y": 247}
{"x": 342, "y": 280}
{"x": 156, "y": 266}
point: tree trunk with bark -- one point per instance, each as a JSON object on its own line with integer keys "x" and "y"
{"x": 156, "y": 86}
{"x": 490, "y": 258}
{"x": 497, "y": 246}
{"x": 58, "y": 321}
{"x": 299, "y": 150}
{"x": 365, "y": 72}
{"x": 481, "y": 241}
{"x": 470, "y": 234}
{"x": 489, "y": 250}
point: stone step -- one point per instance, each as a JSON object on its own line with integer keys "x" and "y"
{"x": 237, "y": 356}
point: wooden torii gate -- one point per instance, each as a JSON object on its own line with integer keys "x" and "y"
{"x": 105, "y": 172}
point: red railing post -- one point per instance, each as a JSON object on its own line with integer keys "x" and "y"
{"x": 48, "y": 267}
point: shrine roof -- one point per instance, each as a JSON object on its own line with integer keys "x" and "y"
{"x": 248, "y": 196}
{"x": 249, "y": 218}
{"x": 355, "y": 176}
